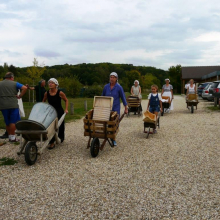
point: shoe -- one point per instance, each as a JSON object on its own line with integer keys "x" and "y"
{"x": 52, "y": 146}
{"x": 114, "y": 143}
{"x": 61, "y": 140}
{"x": 155, "y": 131}
{"x": 14, "y": 141}
{"x": 4, "y": 136}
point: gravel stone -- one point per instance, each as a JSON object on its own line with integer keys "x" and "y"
{"x": 174, "y": 174}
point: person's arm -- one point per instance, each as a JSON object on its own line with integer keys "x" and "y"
{"x": 63, "y": 96}
{"x": 187, "y": 91}
{"x": 162, "y": 92}
{"x": 148, "y": 101}
{"x": 139, "y": 90}
{"x": 23, "y": 91}
{"x": 103, "y": 92}
{"x": 161, "y": 107}
{"x": 122, "y": 95}
{"x": 45, "y": 97}
{"x": 132, "y": 90}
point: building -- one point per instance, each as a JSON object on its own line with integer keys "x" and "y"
{"x": 199, "y": 74}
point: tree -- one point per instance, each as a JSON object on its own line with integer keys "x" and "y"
{"x": 35, "y": 72}
{"x": 175, "y": 77}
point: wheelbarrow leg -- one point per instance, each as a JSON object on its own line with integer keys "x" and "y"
{"x": 88, "y": 145}
{"x": 103, "y": 144}
{"x": 22, "y": 145}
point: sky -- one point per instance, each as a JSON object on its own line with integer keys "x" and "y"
{"x": 159, "y": 33}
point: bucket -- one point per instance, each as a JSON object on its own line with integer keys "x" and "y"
{"x": 43, "y": 113}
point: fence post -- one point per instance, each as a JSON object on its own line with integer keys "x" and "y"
{"x": 215, "y": 101}
{"x": 71, "y": 108}
{"x": 85, "y": 105}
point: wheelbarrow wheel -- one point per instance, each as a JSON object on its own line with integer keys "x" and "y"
{"x": 94, "y": 149}
{"x": 192, "y": 109}
{"x": 31, "y": 153}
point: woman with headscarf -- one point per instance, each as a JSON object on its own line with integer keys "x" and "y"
{"x": 167, "y": 90}
{"x": 113, "y": 89}
{"x": 191, "y": 89}
{"x": 54, "y": 97}
{"x": 136, "y": 91}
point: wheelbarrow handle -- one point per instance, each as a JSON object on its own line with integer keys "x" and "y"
{"x": 121, "y": 117}
{"x": 61, "y": 120}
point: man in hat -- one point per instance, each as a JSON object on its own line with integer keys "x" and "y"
{"x": 9, "y": 103}
{"x": 114, "y": 90}
{"x": 40, "y": 90}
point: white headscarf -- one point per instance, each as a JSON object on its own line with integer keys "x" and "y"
{"x": 114, "y": 74}
{"x": 167, "y": 79}
{"x": 54, "y": 81}
{"x": 136, "y": 81}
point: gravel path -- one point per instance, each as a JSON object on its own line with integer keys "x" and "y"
{"x": 174, "y": 174}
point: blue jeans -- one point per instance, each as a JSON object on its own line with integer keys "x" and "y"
{"x": 153, "y": 109}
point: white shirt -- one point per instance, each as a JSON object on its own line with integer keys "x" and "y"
{"x": 159, "y": 96}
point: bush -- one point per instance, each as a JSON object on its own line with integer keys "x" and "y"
{"x": 93, "y": 91}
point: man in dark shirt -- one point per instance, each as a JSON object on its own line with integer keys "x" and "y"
{"x": 40, "y": 90}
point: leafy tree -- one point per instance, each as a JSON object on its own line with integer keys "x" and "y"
{"x": 35, "y": 72}
{"x": 175, "y": 77}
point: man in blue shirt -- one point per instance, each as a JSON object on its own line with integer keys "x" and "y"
{"x": 9, "y": 103}
{"x": 113, "y": 89}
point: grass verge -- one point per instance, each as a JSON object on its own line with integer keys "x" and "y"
{"x": 5, "y": 161}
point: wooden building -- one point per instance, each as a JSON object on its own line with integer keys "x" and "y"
{"x": 199, "y": 74}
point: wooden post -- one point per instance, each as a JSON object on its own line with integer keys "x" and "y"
{"x": 71, "y": 108}
{"x": 85, "y": 105}
{"x": 219, "y": 103}
{"x": 215, "y": 101}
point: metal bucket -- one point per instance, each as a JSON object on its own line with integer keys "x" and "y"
{"x": 43, "y": 113}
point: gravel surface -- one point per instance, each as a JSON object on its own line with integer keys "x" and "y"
{"x": 174, "y": 174}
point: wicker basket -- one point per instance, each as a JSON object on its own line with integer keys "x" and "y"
{"x": 149, "y": 117}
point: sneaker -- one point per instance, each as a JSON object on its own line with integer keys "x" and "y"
{"x": 155, "y": 131}
{"x": 15, "y": 140}
{"x": 4, "y": 136}
{"x": 114, "y": 143}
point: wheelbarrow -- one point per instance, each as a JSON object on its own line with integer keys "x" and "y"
{"x": 41, "y": 126}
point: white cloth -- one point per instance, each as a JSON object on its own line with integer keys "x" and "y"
{"x": 170, "y": 95}
{"x": 21, "y": 107}
{"x": 54, "y": 81}
{"x": 192, "y": 89}
{"x": 159, "y": 96}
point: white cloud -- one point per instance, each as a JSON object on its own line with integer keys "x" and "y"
{"x": 158, "y": 33}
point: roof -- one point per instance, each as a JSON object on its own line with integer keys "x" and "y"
{"x": 210, "y": 75}
{"x": 196, "y": 72}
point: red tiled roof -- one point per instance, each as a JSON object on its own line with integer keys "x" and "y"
{"x": 196, "y": 72}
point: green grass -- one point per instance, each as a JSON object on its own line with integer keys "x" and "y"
{"x": 78, "y": 104}
{"x": 213, "y": 108}
{"x": 7, "y": 161}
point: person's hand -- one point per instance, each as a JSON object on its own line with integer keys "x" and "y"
{"x": 18, "y": 96}
{"x": 66, "y": 111}
{"x": 126, "y": 110}
{"x": 161, "y": 110}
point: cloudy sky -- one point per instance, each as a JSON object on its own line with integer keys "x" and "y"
{"x": 157, "y": 33}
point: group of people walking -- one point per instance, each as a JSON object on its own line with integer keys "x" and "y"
{"x": 10, "y": 109}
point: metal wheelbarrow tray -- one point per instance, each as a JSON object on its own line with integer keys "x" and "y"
{"x": 32, "y": 131}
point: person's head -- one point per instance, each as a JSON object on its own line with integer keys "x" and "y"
{"x": 113, "y": 77}
{"x": 191, "y": 81}
{"x": 167, "y": 81}
{"x": 53, "y": 83}
{"x": 136, "y": 82}
{"x": 9, "y": 76}
{"x": 42, "y": 82}
{"x": 154, "y": 88}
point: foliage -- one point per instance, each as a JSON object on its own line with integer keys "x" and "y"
{"x": 7, "y": 161}
{"x": 35, "y": 72}
{"x": 149, "y": 79}
{"x": 175, "y": 78}
{"x": 92, "y": 91}
{"x": 72, "y": 86}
